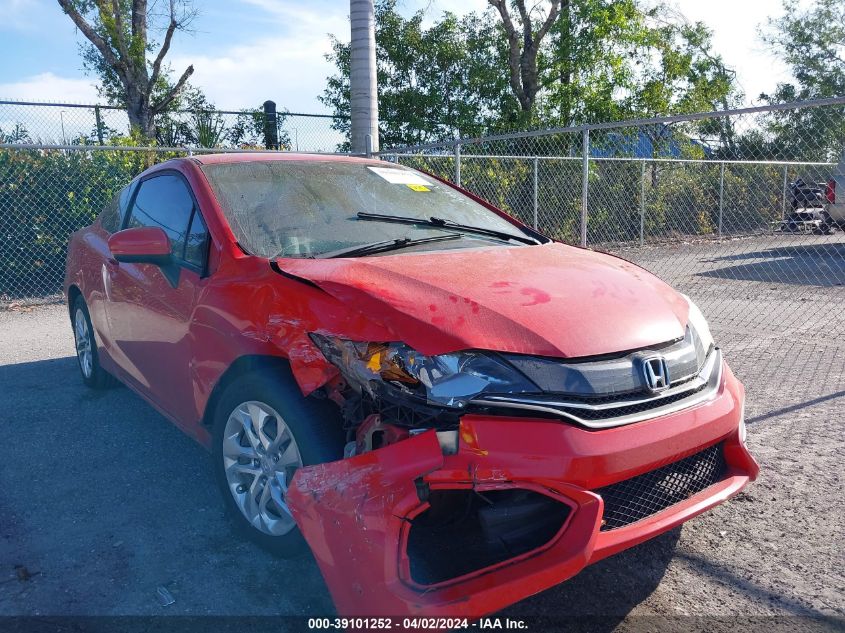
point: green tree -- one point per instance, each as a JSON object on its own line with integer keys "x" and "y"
{"x": 434, "y": 83}
{"x": 812, "y": 44}
{"x": 525, "y": 37}
{"x": 120, "y": 51}
{"x": 559, "y": 63}
{"x": 593, "y": 51}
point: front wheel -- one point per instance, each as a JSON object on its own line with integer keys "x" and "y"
{"x": 264, "y": 430}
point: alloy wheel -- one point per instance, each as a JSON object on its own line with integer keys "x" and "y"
{"x": 84, "y": 348}
{"x": 260, "y": 455}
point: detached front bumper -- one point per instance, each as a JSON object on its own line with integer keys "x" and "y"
{"x": 376, "y": 524}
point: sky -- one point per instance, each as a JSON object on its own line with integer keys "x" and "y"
{"x": 247, "y": 51}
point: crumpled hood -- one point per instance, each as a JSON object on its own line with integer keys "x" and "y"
{"x": 549, "y": 300}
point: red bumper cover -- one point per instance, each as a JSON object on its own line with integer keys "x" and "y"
{"x": 356, "y": 514}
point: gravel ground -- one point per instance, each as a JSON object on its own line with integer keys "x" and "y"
{"x": 102, "y": 500}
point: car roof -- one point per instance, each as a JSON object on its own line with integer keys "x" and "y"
{"x": 257, "y": 156}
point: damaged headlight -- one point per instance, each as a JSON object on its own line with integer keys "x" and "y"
{"x": 449, "y": 380}
{"x": 698, "y": 324}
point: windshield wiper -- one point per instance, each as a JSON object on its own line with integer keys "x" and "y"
{"x": 387, "y": 245}
{"x": 447, "y": 224}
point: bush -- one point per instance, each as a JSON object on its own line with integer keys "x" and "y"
{"x": 45, "y": 195}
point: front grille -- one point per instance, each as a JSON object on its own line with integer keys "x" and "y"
{"x": 648, "y": 405}
{"x": 608, "y": 411}
{"x": 634, "y": 499}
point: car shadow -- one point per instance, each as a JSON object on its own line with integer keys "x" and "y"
{"x": 128, "y": 505}
{"x": 603, "y": 594}
{"x": 820, "y": 264}
{"x": 104, "y": 501}
{"x": 794, "y": 407}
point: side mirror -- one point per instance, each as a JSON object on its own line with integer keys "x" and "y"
{"x": 148, "y": 245}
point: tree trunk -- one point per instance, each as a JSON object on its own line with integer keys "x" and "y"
{"x": 141, "y": 115}
{"x": 363, "y": 86}
{"x": 523, "y": 46}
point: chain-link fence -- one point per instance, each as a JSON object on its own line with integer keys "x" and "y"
{"x": 60, "y": 164}
{"x": 733, "y": 209}
{"x": 45, "y": 195}
{"x": 736, "y": 209}
{"x": 75, "y": 124}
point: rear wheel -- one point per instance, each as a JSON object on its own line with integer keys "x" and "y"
{"x": 264, "y": 431}
{"x": 93, "y": 375}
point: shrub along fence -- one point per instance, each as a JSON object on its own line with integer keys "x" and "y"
{"x": 45, "y": 195}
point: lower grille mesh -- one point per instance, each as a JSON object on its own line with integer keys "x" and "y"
{"x": 634, "y": 499}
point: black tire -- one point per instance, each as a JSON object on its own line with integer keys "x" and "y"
{"x": 316, "y": 428}
{"x": 96, "y": 377}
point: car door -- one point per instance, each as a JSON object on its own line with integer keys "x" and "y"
{"x": 150, "y": 307}
{"x": 111, "y": 220}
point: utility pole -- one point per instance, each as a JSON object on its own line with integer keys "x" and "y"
{"x": 363, "y": 84}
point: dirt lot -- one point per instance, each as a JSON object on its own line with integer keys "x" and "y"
{"x": 102, "y": 500}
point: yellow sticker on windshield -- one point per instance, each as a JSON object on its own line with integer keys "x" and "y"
{"x": 418, "y": 187}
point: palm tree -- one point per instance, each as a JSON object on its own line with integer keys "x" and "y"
{"x": 363, "y": 87}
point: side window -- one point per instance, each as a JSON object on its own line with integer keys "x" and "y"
{"x": 196, "y": 246}
{"x": 164, "y": 201}
{"x": 111, "y": 219}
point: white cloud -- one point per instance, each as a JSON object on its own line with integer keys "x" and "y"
{"x": 51, "y": 124}
{"x": 50, "y": 87}
{"x": 290, "y": 68}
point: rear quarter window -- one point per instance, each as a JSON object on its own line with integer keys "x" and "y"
{"x": 111, "y": 218}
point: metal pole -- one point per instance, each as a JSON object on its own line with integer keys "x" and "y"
{"x": 642, "y": 203}
{"x": 785, "y": 186}
{"x": 585, "y": 184}
{"x": 536, "y": 161}
{"x": 363, "y": 85}
{"x": 458, "y": 164}
{"x": 271, "y": 130}
{"x": 99, "y": 121}
{"x": 721, "y": 197}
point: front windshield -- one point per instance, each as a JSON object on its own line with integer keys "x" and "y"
{"x": 305, "y": 208}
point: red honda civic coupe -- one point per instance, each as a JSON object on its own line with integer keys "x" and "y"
{"x": 451, "y": 410}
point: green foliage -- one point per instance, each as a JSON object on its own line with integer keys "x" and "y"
{"x": 120, "y": 51}
{"x": 434, "y": 83}
{"x": 811, "y": 42}
{"x": 44, "y": 197}
{"x": 18, "y": 134}
{"x": 603, "y": 60}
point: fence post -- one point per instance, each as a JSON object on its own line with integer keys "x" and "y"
{"x": 271, "y": 131}
{"x": 642, "y": 203}
{"x": 721, "y": 196}
{"x": 458, "y": 164}
{"x": 585, "y": 184}
{"x": 536, "y": 209}
{"x": 785, "y": 186}
{"x": 99, "y": 121}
